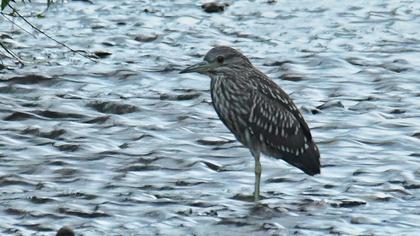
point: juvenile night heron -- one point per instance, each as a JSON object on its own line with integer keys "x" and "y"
{"x": 257, "y": 111}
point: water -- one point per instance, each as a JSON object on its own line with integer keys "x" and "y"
{"x": 127, "y": 146}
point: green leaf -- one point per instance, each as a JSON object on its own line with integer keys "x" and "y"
{"x": 4, "y": 4}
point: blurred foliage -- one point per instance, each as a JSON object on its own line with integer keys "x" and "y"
{"x": 4, "y": 4}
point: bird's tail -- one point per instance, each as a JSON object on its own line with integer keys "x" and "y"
{"x": 308, "y": 162}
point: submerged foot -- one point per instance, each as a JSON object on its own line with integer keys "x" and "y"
{"x": 246, "y": 198}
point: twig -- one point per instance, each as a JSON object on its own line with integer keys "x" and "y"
{"x": 46, "y": 35}
{"x": 12, "y": 54}
{"x": 15, "y": 24}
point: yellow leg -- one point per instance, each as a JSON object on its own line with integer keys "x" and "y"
{"x": 257, "y": 176}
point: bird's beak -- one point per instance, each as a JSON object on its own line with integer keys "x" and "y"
{"x": 201, "y": 67}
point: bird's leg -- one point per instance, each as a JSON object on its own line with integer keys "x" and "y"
{"x": 257, "y": 175}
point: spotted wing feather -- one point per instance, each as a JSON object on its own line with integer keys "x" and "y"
{"x": 278, "y": 126}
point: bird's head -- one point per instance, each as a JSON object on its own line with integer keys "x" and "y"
{"x": 218, "y": 60}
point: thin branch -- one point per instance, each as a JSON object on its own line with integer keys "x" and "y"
{"x": 46, "y": 35}
{"x": 15, "y": 24}
{"x": 11, "y": 53}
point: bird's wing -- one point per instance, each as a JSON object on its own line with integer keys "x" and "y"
{"x": 279, "y": 127}
{"x": 275, "y": 126}
{"x": 275, "y": 94}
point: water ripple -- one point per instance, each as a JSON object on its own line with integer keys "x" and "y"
{"x": 127, "y": 146}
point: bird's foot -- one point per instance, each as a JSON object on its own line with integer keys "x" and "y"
{"x": 246, "y": 198}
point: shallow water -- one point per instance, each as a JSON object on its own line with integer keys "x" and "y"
{"x": 127, "y": 146}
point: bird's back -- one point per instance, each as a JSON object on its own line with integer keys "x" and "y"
{"x": 263, "y": 118}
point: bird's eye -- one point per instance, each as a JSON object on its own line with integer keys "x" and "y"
{"x": 220, "y": 59}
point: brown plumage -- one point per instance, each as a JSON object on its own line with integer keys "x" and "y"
{"x": 257, "y": 111}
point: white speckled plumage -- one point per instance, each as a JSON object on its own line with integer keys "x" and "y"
{"x": 258, "y": 112}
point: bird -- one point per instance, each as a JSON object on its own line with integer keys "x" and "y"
{"x": 261, "y": 116}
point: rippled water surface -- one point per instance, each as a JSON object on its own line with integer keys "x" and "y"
{"x": 127, "y": 146}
